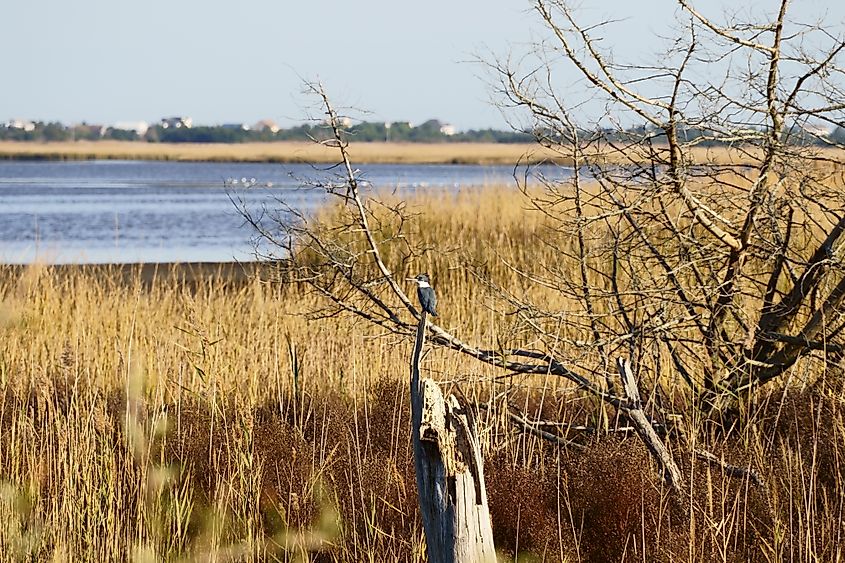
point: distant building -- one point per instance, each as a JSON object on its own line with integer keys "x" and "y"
{"x": 87, "y": 131}
{"x": 266, "y": 125}
{"x": 176, "y": 122}
{"x": 448, "y": 129}
{"x": 21, "y": 124}
{"x": 817, "y": 130}
{"x": 139, "y": 127}
{"x": 236, "y": 126}
{"x": 342, "y": 120}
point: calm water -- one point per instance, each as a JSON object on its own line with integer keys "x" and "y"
{"x": 134, "y": 211}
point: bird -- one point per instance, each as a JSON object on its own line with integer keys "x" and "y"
{"x": 425, "y": 293}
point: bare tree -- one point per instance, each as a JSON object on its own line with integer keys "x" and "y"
{"x": 699, "y": 231}
{"x": 721, "y": 215}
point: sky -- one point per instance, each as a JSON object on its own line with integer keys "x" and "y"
{"x": 106, "y": 61}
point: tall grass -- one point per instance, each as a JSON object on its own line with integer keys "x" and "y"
{"x": 163, "y": 418}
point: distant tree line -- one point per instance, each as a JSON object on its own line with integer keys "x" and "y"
{"x": 52, "y": 131}
{"x": 431, "y": 131}
{"x": 427, "y": 132}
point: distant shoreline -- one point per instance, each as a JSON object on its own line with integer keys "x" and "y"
{"x": 280, "y": 152}
{"x": 287, "y": 152}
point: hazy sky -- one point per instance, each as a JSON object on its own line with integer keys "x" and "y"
{"x": 103, "y": 61}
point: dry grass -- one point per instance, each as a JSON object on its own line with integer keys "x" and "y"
{"x": 285, "y": 151}
{"x": 386, "y": 153}
{"x": 154, "y": 418}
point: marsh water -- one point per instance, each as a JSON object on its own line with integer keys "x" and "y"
{"x": 142, "y": 211}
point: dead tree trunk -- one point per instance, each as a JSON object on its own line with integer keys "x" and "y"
{"x": 450, "y": 471}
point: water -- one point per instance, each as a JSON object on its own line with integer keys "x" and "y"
{"x": 137, "y": 211}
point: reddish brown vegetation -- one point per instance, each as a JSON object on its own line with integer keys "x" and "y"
{"x": 325, "y": 451}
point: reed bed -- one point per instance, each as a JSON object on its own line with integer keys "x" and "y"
{"x": 164, "y": 417}
{"x": 375, "y": 152}
{"x": 279, "y": 151}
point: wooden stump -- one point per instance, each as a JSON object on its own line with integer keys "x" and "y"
{"x": 450, "y": 471}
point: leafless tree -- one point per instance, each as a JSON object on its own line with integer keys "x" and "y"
{"x": 699, "y": 231}
{"x": 721, "y": 215}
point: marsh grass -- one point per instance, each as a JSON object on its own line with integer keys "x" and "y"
{"x": 280, "y": 151}
{"x": 156, "y": 417}
{"x": 365, "y": 153}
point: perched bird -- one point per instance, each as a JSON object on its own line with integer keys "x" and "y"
{"x": 425, "y": 293}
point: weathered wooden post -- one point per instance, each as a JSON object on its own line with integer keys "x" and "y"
{"x": 450, "y": 471}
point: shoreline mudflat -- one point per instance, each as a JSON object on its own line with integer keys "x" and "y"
{"x": 282, "y": 151}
